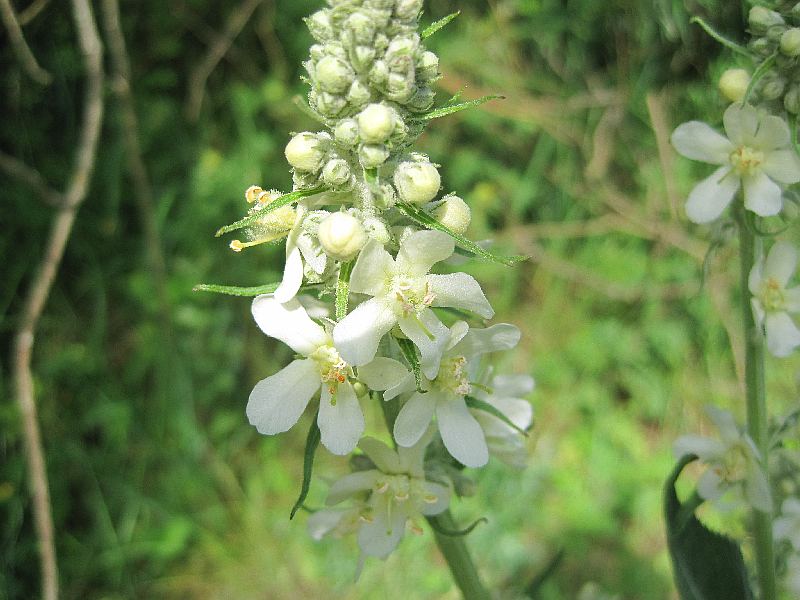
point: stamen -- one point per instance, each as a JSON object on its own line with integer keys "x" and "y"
{"x": 430, "y": 499}
{"x": 238, "y": 245}
{"x": 382, "y": 487}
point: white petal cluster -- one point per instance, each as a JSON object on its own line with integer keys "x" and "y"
{"x": 773, "y": 301}
{"x": 756, "y": 156}
{"x": 732, "y": 461}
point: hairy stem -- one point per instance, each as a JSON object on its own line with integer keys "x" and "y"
{"x": 756, "y": 408}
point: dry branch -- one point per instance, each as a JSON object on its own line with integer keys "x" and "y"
{"x": 19, "y": 170}
{"x": 33, "y": 10}
{"x": 20, "y": 46}
{"x": 91, "y": 51}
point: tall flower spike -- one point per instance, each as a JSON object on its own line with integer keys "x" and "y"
{"x": 757, "y": 155}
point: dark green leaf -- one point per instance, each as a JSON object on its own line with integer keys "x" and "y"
{"x": 449, "y": 109}
{"x": 343, "y": 289}
{"x": 707, "y": 565}
{"x": 436, "y": 26}
{"x": 495, "y": 412}
{"x": 274, "y": 205}
{"x": 232, "y": 290}
{"x": 440, "y": 529}
{"x": 410, "y": 354}
{"x": 312, "y": 443}
{"x": 422, "y": 218}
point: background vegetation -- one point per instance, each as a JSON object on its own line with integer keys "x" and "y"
{"x": 161, "y": 489}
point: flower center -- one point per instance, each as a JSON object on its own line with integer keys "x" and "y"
{"x": 771, "y": 295}
{"x": 734, "y": 465}
{"x": 332, "y": 368}
{"x": 746, "y": 160}
{"x": 413, "y": 294}
{"x": 401, "y": 488}
{"x": 452, "y": 376}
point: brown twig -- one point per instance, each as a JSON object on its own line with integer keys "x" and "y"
{"x": 30, "y": 13}
{"x": 19, "y": 170}
{"x": 661, "y": 129}
{"x": 20, "y": 46}
{"x": 91, "y": 50}
{"x": 197, "y": 80}
{"x": 142, "y": 190}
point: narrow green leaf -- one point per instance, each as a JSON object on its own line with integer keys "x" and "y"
{"x": 343, "y": 289}
{"x": 232, "y": 290}
{"x": 275, "y": 204}
{"x": 436, "y": 26}
{"x": 409, "y": 352}
{"x": 422, "y": 218}
{"x": 440, "y": 529}
{"x": 707, "y": 565}
{"x": 477, "y": 404}
{"x": 312, "y": 443}
{"x": 454, "y": 108}
{"x": 719, "y": 37}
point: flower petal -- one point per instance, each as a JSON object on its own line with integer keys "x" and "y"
{"x": 289, "y": 323}
{"x": 519, "y": 412}
{"x": 741, "y": 124}
{"x": 772, "y": 134}
{"x": 711, "y": 196}
{"x": 351, "y": 484}
{"x": 783, "y": 166}
{"x": 373, "y": 270}
{"x": 421, "y": 250}
{"x": 698, "y": 141}
{"x": 277, "y": 402}
{"x": 430, "y": 336}
{"x": 386, "y": 459}
{"x": 442, "y": 495}
{"x": 340, "y": 424}
{"x": 357, "y": 335}
{"x": 782, "y": 334}
{"x": 461, "y": 433}
{"x": 387, "y": 374}
{"x": 459, "y": 290}
{"x": 415, "y": 416}
{"x": 513, "y": 385}
{"x": 379, "y": 537}
{"x": 502, "y": 336}
{"x": 755, "y": 278}
{"x": 292, "y": 276}
{"x": 781, "y": 262}
{"x": 710, "y": 485}
{"x": 707, "y": 449}
{"x": 322, "y": 522}
{"x": 762, "y": 195}
{"x": 756, "y": 489}
{"x": 792, "y": 299}
{"x": 725, "y": 423}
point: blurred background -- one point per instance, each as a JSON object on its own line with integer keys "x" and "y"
{"x": 161, "y": 489}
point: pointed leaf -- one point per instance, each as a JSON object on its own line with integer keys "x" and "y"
{"x": 494, "y": 411}
{"x": 274, "y": 205}
{"x": 707, "y": 565}
{"x": 409, "y": 352}
{"x": 449, "y": 109}
{"x": 343, "y": 289}
{"x": 312, "y": 443}
{"x": 437, "y": 25}
{"x": 442, "y": 530}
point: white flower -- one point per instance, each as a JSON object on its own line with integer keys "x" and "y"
{"x": 386, "y": 498}
{"x": 300, "y": 247}
{"x": 787, "y": 526}
{"x": 402, "y": 293}
{"x": 277, "y": 402}
{"x": 733, "y": 462}
{"x": 757, "y": 155}
{"x": 445, "y": 394}
{"x": 772, "y": 301}
{"x": 506, "y": 393}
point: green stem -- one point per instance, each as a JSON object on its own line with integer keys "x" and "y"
{"x": 456, "y": 553}
{"x": 756, "y": 408}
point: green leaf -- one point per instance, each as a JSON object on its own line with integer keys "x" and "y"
{"x": 707, "y": 565}
{"x": 495, "y": 412}
{"x": 436, "y": 26}
{"x": 440, "y": 529}
{"x": 232, "y": 290}
{"x": 422, "y": 218}
{"x": 274, "y": 205}
{"x": 762, "y": 70}
{"x": 343, "y": 289}
{"x": 449, "y": 109}
{"x": 719, "y": 37}
{"x": 312, "y": 443}
{"x": 409, "y": 352}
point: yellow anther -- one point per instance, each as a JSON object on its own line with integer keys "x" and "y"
{"x": 430, "y": 499}
{"x": 253, "y": 193}
{"x": 236, "y": 246}
{"x": 415, "y": 529}
{"x": 382, "y": 487}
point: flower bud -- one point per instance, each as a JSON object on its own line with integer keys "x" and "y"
{"x": 363, "y": 57}
{"x": 417, "y": 182}
{"x": 385, "y": 197}
{"x": 772, "y": 86}
{"x": 304, "y": 152}
{"x": 372, "y": 155}
{"x": 423, "y": 99}
{"x": 333, "y": 75}
{"x": 346, "y": 132}
{"x": 733, "y": 84}
{"x": 408, "y": 9}
{"x": 362, "y": 27}
{"x": 399, "y": 87}
{"x": 376, "y": 229}
{"x": 319, "y": 24}
{"x": 376, "y": 123}
{"x": 329, "y": 105}
{"x": 791, "y": 101}
{"x": 775, "y": 33}
{"x": 400, "y": 47}
{"x": 428, "y": 66}
{"x": 359, "y": 93}
{"x": 336, "y": 173}
{"x": 252, "y": 193}
{"x": 761, "y": 19}
{"x": 380, "y": 4}
{"x": 795, "y": 12}
{"x": 790, "y": 42}
{"x": 760, "y": 46}
{"x": 454, "y": 214}
{"x": 316, "y": 52}
{"x": 342, "y": 236}
{"x": 379, "y": 72}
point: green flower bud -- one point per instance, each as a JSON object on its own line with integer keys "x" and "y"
{"x": 761, "y": 46}
{"x": 380, "y": 4}
{"x": 361, "y": 27}
{"x": 402, "y": 47}
{"x": 359, "y": 94}
{"x": 772, "y": 86}
{"x": 761, "y": 19}
{"x": 316, "y": 52}
{"x": 422, "y": 99}
{"x": 346, "y": 132}
{"x": 385, "y": 197}
{"x": 775, "y": 33}
{"x": 454, "y": 214}
{"x": 333, "y": 75}
{"x": 399, "y": 87}
{"x": 379, "y": 72}
{"x": 336, "y": 173}
{"x": 792, "y": 100}
{"x": 733, "y": 84}
{"x": 328, "y": 105}
{"x": 428, "y": 66}
{"x": 304, "y": 152}
{"x": 417, "y": 182}
{"x": 319, "y": 24}
{"x": 790, "y": 42}
{"x": 795, "y": 12}
{"x": 376, "y": 123}
{"x": 377, "y": 230}
{"x": 372, "y": 155}
{"x": 342, "y": 236}
{"x": 408, "y": 9}
{"x": 363, "y": 57}
{"x": 360, "y": 389}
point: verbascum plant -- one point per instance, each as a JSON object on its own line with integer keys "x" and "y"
{"x": 372, "y": 325}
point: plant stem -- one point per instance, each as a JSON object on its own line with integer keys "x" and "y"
{"x": 457, "y": 555}
{"x": 756, "y": 408}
